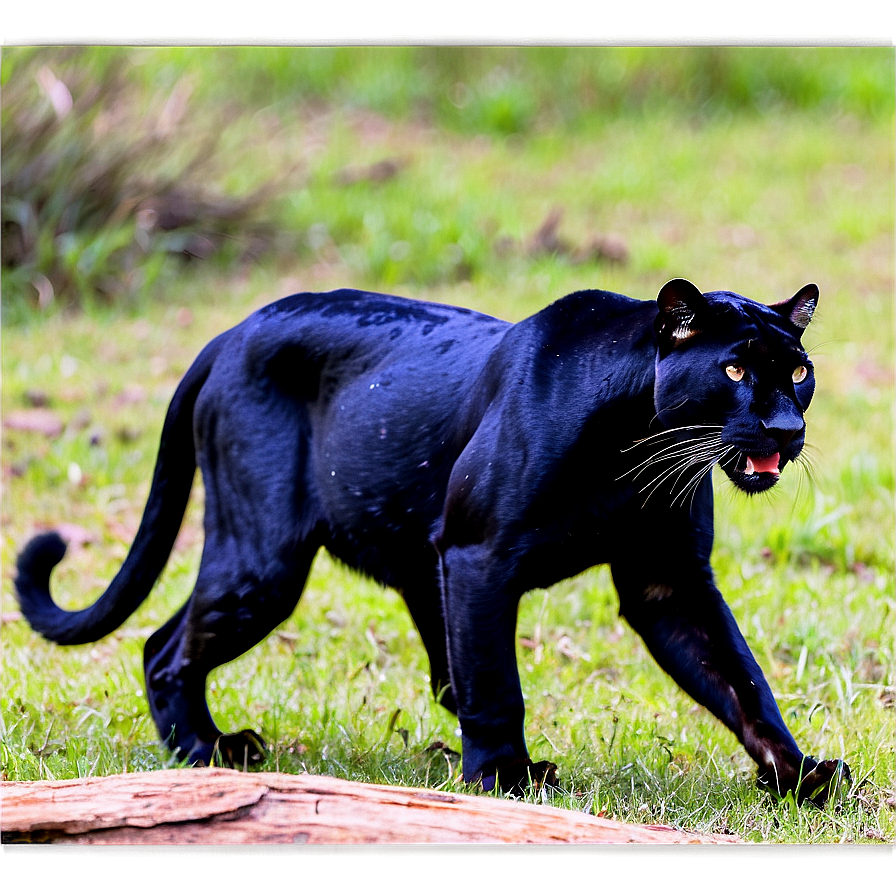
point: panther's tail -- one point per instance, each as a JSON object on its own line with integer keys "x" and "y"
{"x": 165, "y": 507}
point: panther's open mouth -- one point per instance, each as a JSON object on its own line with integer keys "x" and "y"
{"x": 759, "y": 465}
{"x": 755, "y": 474}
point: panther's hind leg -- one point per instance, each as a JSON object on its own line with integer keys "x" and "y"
{"x": 262, "y": 530}
{"x": 170, "y": 697}
{"x": 229, "y": 612}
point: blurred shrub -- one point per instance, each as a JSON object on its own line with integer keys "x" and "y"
{"x": 108, "y": 153}
{"x": 95, "y": 198}
{"x": 505, "y": 90}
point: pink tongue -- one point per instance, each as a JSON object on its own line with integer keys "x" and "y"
{"x": 764, "y": 464}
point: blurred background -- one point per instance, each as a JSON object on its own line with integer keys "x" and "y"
{"x": 419, "y": 167}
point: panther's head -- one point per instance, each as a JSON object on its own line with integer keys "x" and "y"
{"x": 732, "y": 379}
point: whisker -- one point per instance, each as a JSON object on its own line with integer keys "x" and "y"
{"x": 679, "y": 449}
{"x": 817, "y": 346}
{"x": 807, "y": 458}
{"x": 658, "y": 439}
{"x": 698, "y": 477}
{"x": 690, "y": 459}
{"x": 703, "y": 460}
{"x": 678, "y": 442}
{"x": 678, "y": 469}
{"x": 690, "y": 487}
{"x": 695, "y": 479}
{"x": 673, "y": 407}
{"x": 806, "y": 468}
{"x": 670, "y": 433}
{"x": 675, "y": 460}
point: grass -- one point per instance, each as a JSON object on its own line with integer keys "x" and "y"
{"x": 757, "y": 197}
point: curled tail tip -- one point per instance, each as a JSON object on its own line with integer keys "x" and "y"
{"x": 40, "y": 555}
{"x": 33, "y": 568}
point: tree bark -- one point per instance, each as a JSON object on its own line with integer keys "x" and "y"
{"x": 222, "y": 806}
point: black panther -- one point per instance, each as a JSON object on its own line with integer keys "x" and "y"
{"x": 463, "y": 460}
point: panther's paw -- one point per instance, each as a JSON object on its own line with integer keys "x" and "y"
{"x": 517, "y": 775}
{"x": 824, "y": 782}
{"x": 239, "y": 750}
{"x": 818, "y": 782}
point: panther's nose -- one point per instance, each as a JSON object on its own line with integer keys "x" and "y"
{"x": 781, "y": 435}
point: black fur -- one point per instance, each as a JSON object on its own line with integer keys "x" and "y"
{"x": 463, "y": 461}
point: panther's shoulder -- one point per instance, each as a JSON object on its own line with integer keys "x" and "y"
{"x": 589, "y": 314}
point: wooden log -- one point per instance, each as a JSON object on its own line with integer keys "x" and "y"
{"x": 222, "y": 806}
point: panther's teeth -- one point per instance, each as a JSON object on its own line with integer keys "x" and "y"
{"x": 749, "y": 469}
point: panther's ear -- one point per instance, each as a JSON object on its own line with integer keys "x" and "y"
{"x": 801, "y": 307}
{"x": 681, "y": 305}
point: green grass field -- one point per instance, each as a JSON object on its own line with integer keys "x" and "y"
{"x": 430, "y": 173}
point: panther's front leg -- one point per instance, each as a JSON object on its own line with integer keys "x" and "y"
{"x": 480, "y": 617}
{"x": 690, "y": 631}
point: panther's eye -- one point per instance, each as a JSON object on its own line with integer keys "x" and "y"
{"x": 735, "y": 372}
{"x": 800, "y": 373}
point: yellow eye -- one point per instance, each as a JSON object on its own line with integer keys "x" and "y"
{"x": 735, "y": 372}
{"x": 800, "y": 374}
